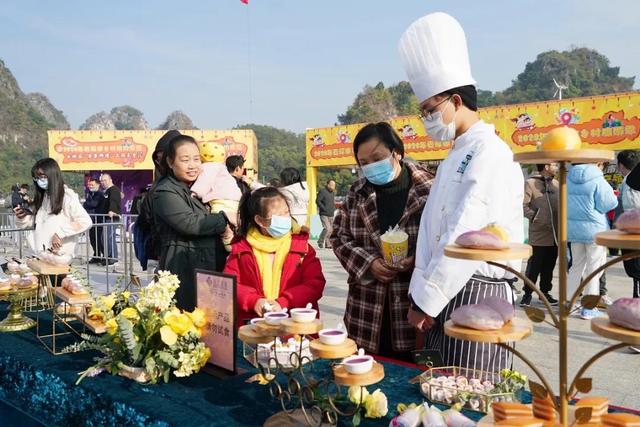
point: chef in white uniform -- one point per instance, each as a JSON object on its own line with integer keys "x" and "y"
{"x": 477, "y": 184}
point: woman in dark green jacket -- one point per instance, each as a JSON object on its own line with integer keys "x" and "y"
{"x": 191, "y": 237}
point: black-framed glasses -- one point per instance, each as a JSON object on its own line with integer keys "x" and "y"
{"x": 426, "y": 114}
{"x": 39, "y": 176}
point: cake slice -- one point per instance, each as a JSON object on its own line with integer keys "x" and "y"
{"x": 521, "y": 422}
{"x": 599, "y": 406}
{"x": 509, "y": 410}
{"x": 620, "y": 420}
{"x": 544, "y": 408}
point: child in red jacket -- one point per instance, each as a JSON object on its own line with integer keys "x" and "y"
{"x": 272, "y": 260}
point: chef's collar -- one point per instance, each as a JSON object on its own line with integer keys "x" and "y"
{"x": 479, "y": 127}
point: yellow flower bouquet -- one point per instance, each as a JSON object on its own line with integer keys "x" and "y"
{"x": 146, "y": 334}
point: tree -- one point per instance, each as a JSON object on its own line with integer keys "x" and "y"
{"x": 404, "y": 100}
{"x": 277, "y": 149}
{"x": 584, "y": 71}
{"x": 373, "y": 104}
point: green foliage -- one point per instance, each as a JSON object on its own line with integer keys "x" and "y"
{"x": 404, "y": 100}
{"x": 168, "y": 359}
{"x": 584, "y": 71}
{"x": 373, "y": 104}
{"x": 277, "y": 149}
{"x": 344, "y": 178}
{"x": 125, "y": 327}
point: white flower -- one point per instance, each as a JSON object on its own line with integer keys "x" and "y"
{"x": 159, "y": 293}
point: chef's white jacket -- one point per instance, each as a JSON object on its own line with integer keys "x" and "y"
{"x": 477, "y": 184}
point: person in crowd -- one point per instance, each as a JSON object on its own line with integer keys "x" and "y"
{"x": 146, "y": 235}
{"x": 110, "y": 215}
{"x": 296, "y": 192}
{"x": 275, "y": 266}
{"x": 216, "y": 187}
{"x": 541, "y": 209}
{"x": 94, "y": 200}
{"x": 589, "y": 198}
{"x": 326, "y": 207}
{"x": 391, "y": 193}
{"x": 629, "y": 199}
{"x": 24, "y": 194}
{"x": 190, "y": 236}
{"x": 20, "y": 196}
{"x": 235, "y": 166}
{"x": 478, "y": 183}
{"x": 58, "y": 217}
{"x": 136, "y": 203}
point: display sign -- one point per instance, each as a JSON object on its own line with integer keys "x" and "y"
{"x": 216, "y": 296}
{"x": 127, "y": 150}
{"x": 609, "y": 122}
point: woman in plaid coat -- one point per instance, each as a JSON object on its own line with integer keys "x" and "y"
{"x": 392, "y": 192}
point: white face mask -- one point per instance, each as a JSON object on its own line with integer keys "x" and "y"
{"x": 436, "y": 129}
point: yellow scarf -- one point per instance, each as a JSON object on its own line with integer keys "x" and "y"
{"x": 270, "y": 271}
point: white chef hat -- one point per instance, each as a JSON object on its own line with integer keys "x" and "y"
{"x": 434, "y": 54}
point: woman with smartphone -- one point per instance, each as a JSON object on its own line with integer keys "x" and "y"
{"x": 58, "y": 217}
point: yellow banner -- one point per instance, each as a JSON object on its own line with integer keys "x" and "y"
{"x": 608, "y": 121}
{"x": 132, "y": 150}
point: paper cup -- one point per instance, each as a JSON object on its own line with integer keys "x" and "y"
{"x": 395, "y": 246}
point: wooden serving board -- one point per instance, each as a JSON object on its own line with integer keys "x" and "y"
{"x": 514, "y": 251}
{"x": 249, "y": 335}
{"x": 618, "y": 239}
{"x": 292, "y": 327}
{"x": 95, "y": 326}
{"x": 515, "y": 330}
{"x": 603, "y": 327}
{"x": 324, "y": 351}
{"x": 375, "y": 375}
{"x": 267, "y": 330}
{"x": 42, "y": 267}
{"x": 488, "y": 421}
{"x": 70, "y": 298}
{"x": 587, "y": 155}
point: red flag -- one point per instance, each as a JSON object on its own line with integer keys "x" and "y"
{"x": 244, "y": 1}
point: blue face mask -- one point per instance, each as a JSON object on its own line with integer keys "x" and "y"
{"x": 43, "y": 183}
{"x": 380, "y": 172}
{"x": 280, "y": 225}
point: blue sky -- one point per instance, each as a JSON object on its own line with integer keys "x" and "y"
{"x": 309, "y": 58}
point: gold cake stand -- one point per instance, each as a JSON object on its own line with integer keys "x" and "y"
{"x": 613, "y": 239}
{"x": 15, "y": 320}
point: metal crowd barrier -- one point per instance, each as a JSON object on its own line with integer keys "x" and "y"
{"x": 113, "y": 259}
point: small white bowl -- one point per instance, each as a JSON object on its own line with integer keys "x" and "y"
{"x": 256, "y": 320}
{"x": 275, "y": 317}
{"x": 332, "y": 336}
{"x": 358, "y": 364}
{"x": 303, "y": 315}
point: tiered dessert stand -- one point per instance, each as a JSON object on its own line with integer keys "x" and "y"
{"x": 15, "y": 320}
{"x": 296, "y": 386}
{"x": 521, "y": 329}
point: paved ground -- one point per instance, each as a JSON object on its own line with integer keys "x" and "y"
{"x": 617, "y": 375}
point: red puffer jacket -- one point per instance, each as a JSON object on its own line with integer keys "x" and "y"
{"x": 302, "y": 280}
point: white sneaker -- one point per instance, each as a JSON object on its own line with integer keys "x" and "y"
{"x": 605, "y": 301}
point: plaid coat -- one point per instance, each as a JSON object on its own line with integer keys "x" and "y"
{"x": 356, "y": 242}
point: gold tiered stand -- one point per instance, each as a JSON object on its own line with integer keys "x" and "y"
{"x": 601, "y": 326}
{"x": 300, "y": 385}
{"x": 15, "y": 320}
